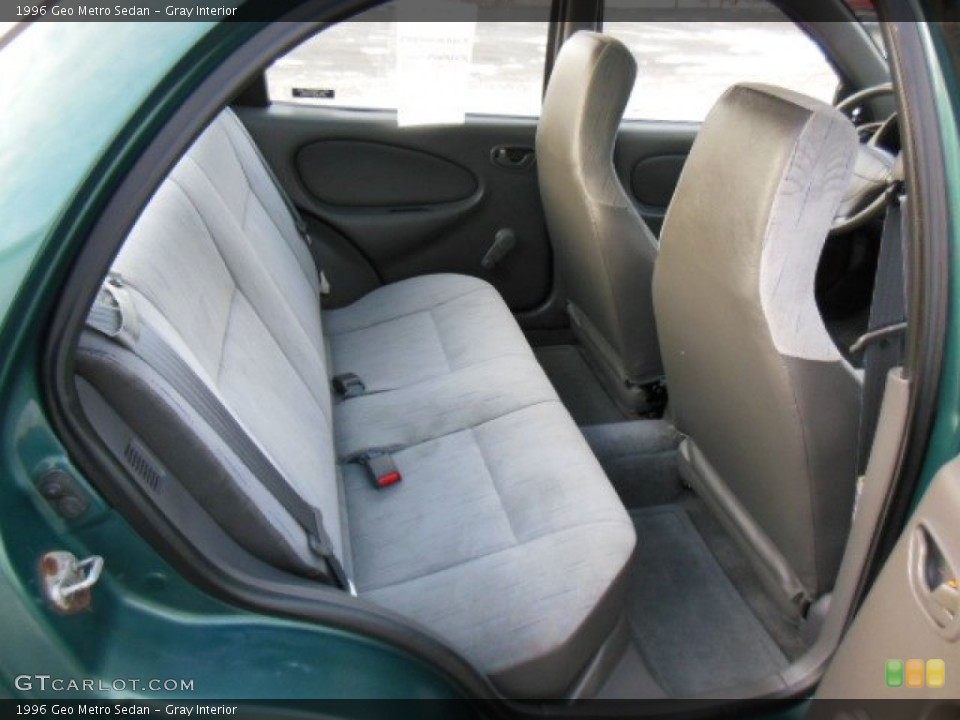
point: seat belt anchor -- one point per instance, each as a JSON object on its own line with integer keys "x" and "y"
{"x": 348, "y": 385}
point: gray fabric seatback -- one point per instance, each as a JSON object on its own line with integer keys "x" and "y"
{"x": 216, "y": 267}
{"x": 769, "y": 406}
{"x": 605, "y": 252}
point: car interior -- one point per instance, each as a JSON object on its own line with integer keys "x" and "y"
{"x": 581, "y": 399}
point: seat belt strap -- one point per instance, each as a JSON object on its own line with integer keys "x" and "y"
{"x": 883, "y": 343}
{"x": 113, "y": 315}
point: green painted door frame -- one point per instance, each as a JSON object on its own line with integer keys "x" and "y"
{"x": 89, "y": 97}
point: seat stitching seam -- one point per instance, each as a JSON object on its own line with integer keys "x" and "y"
{"x": 450, "y": 433}
{"x": 293, "y": 367}
{"x": 256, "y": 312}
{"x": 266, "y": 274}
{"x": 226, "y": 330}
{"x": 433, "y": 379}
{"x": 266, "y": 212}
{"x": 403, "y": 315}
{"x": 443, "y": 347}
{"x": 496, "y": 485}
{"x": 250, "y": 193}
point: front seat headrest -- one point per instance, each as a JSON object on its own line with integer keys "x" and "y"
{"x": 589, "y": 89}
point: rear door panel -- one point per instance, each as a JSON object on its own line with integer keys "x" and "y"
{"x": 393, "y": 203}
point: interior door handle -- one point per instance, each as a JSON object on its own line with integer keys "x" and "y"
{"x": 947, "y": 596}
{"x": 935, "y": 583}
{"x": 513, "y": 157}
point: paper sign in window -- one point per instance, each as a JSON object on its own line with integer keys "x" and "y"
{"x": 433, "y": 71}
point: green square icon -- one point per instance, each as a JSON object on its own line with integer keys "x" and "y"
{"x": 894, "y": 673}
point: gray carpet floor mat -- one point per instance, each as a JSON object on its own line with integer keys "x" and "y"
{"x": 577, "y": 386}
{"x": 737, "y": 567}
{"x": 692, "y": 628}
{"x": 640, "y": 459}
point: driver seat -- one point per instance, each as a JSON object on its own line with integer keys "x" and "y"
{"x": 768, "y": 405}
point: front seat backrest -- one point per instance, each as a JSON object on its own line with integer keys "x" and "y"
{"x": 605, "y": 252}
{"x": 769, "y": 406}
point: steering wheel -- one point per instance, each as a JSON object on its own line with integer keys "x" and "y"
{"x": 876, "y": 168}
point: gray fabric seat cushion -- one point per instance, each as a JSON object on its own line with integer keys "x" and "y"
{"x": 419, "y": 329}
{"x": 468, "y": 542}
{"x": 450, "y": 403}
{"x": 504, "y": 538}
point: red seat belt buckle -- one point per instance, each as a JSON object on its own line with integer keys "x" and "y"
{"x": 383, "y": 470}
{"x": 389, "y": 479}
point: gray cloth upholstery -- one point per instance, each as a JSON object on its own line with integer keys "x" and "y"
{"x": 605, "y": 252}
{"x": 766, "y": 400}
{"x": 500, "y": 553}
{"x": 504, "y": 537}
{"x": 421, "y": 329}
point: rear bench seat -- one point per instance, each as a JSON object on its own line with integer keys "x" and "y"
{"x": 504, "y": 537}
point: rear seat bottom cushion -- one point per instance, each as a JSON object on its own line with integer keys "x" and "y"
{"x": 511, "y": 550}
{"x": 420, "y": 329}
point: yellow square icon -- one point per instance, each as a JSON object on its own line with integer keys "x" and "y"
{"x": 936, "y": 673}
{"x": 914, "y": 673}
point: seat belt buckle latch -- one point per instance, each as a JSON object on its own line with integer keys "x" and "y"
{"x": 382, "y": 470}
{"x": 348, "y": 385}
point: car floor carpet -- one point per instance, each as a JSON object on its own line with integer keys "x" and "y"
{"x": 631, "y": 680}
{"x": 693, "y": 630}
{"x": 736, "y": 565}
{"x": 577, "y": 386}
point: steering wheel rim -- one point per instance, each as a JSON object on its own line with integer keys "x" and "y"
{"x": 861, "y": 96}
{"x": 870, "y": 201}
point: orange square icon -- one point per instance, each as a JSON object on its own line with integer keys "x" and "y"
{"x": 936, "y": 673}
{"x": 914, "y": 673}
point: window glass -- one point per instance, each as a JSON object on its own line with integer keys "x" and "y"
{"x": 684, "y": 67}
{"x": 361, "y": 63}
